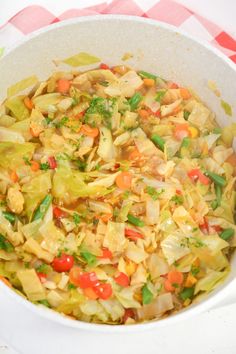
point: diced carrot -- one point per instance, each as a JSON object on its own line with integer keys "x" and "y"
{"x": 104, "y": 66}
{"x": 59, "y": 213}
{"x": 89, "y": 131}
{"x": 181, "y": 131}
{"x": 185, "y": 94}
{"x": 104, "y": 217}
{"x": 149, "y": 82}
{"x": 90, "y": 293}
{"x": 34, "y": 165}
{"x": 196, "y": 174}
{"x": 5, "y": 281}
{"x": 178, "y": 191}
{"x": 63, "y": 85}
{"x": 175, "y": 277}
{"x": 132, "y": 234}
{"x": 34, "y": 133}
{"x": 79, "y": 115}
{"x": 135, "y": 154}
{"x": 14, "y": 177}
{"x": 28, "y": 103}
{"x": 144, "y": 113}
{"x": 106, "y": 253}
{"x": 123, "y": 180}
{"x": 168, "y": 286}
{"x": 172, "y": 85}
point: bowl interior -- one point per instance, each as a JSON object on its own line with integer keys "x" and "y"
{"x": 154, "y": 47}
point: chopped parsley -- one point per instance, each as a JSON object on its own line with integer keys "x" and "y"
{"x": 177, "y": 199}
{"x": 103, "y": 107}
{"x": 195, "y": 270}
{"x": 5, "y": 245}
{"x": 76, "y": 219}
{"x": 62, "y": 122}
{"x": 44, "y": 166}
{"x": 186, "y": 114}
{"x": 153, "y": 192}
{"x": 81, "y": 165}
{"x": 160, "y": 95}
{"x": 43, "y": 268}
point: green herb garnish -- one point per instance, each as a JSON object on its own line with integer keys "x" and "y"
{"x": 76, "y": 219}
{"x": 160, "y": 95}
{"x": 5, "y": 245}
{"x": 153, "y": 192}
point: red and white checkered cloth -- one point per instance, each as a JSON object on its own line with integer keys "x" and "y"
{"x": 34, "y": 17}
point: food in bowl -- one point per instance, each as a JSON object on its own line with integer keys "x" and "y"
{"x": 117, "y": 195}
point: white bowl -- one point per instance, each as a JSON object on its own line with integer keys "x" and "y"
{"x": 156, "y": 47}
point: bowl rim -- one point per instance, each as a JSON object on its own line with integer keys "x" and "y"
{"x": 213, "y": 298}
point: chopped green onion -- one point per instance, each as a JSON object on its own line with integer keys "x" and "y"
{"x": 135, "y": 221}
{"x": 147, "y": 296}
{"x": 160, "y": 95}
{"x": 187, "y": 293}
{"x": 217, "y": 179}
{"x": 89, "y": 258}
{"x": 186, "y": 114}
{"x": 43, "y": 208}
{"x": 135, "y": 100}
{"x": 9, "y": 216}
{"x": 5, "y": 245}
{"x": 158, "y": 141}
{"x": 146, "y": 75}
{"x": 227, "y": 234}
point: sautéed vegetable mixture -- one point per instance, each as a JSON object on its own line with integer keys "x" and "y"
{"x": 117, "y": 195}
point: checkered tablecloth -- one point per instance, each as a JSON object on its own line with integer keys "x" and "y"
{"x": 34, "y": 17}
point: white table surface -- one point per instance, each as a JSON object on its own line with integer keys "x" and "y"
{"x": 210, "y": 333}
